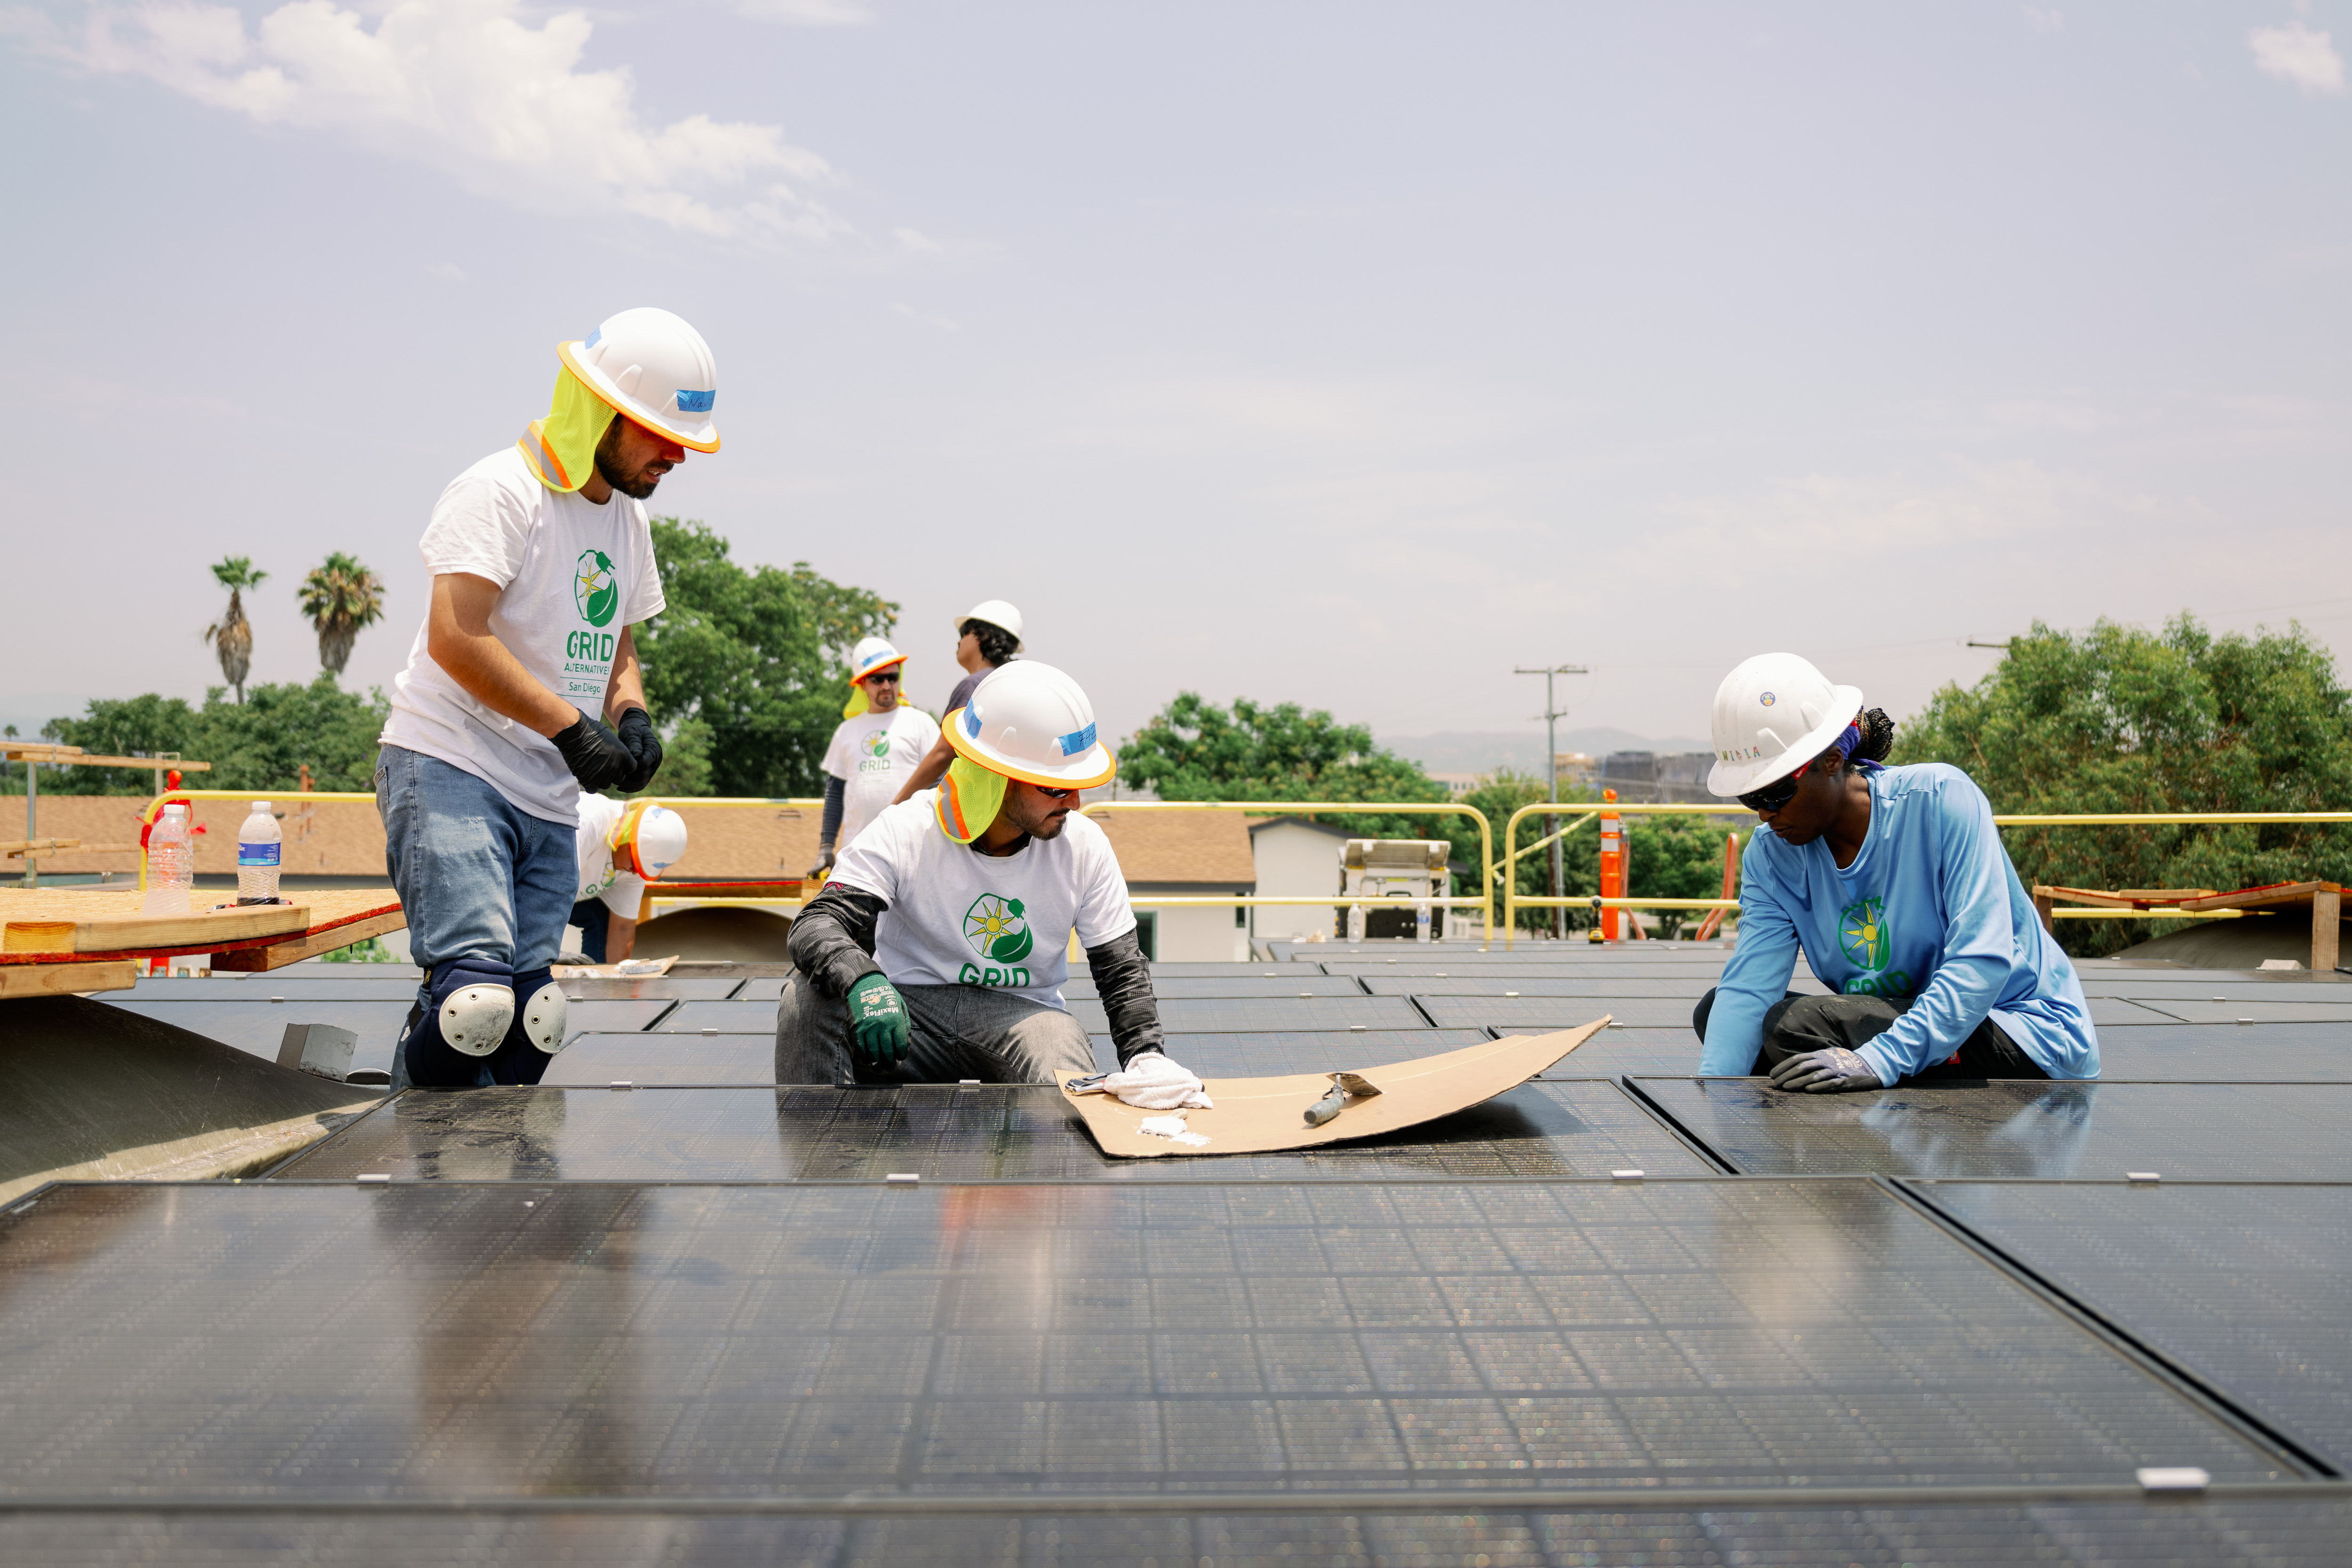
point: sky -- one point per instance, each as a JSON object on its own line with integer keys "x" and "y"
{"x": 1350, "y": 354}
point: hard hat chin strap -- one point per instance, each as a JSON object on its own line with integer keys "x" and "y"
{"x": 970, "y": 798}
{"x": 561, "y": 447}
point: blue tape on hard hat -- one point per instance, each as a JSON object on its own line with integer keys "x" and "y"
{"x": 695, "y": 402}
{"x": 1077, "y": 741}
{"x": 594, "y": 339}
{"x": 971, "y": 720}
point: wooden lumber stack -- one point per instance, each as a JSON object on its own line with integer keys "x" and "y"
{"x": 60, "y": 939}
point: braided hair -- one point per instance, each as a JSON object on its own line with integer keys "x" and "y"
{"x": 1865, "y": 743}
{"x": 997, "y": 646}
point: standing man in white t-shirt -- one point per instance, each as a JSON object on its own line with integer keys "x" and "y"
{"x": 937, "y": 950}
{"x": 879, "y": 741}
{"x": 542, "y": 561}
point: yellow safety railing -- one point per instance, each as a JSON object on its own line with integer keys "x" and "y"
{"x": 1513, "y": 902}
{"x": 1331, "y": 808}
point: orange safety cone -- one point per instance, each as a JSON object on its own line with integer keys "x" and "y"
{"x": 1613, "y": 863}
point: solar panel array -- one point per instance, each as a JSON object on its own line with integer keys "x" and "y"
{"x": 661, "y": 1308}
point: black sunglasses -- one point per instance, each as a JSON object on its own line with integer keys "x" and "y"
{"x": 1050, "y": 792}
{"x": 889, "y": 675}
{"x": 1773, "y": 796}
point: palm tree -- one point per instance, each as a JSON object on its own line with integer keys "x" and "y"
{"x": 232, "y": 635}
{"x": 340, "y": 597}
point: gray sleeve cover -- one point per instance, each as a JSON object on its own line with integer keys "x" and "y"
{"x": 1123, "y": 980}
{"x": 828, "y": 827}
{"x": 833, "y": 939}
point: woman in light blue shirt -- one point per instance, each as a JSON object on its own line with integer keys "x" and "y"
{"x": 1894, "y": 884}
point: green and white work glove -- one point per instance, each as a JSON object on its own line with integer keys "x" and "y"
{"x": 878, "y": 1021}
{"x": 1833, "y": 1071}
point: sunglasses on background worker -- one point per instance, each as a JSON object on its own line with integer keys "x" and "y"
{"x": 890, "y": 677}
{"x": 1773, "y": 796}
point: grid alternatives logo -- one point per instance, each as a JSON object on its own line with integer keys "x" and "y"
{"x": 595, "y": 587}
{"x": 998, "y": 928}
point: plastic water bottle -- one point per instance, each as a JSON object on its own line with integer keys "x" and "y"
{"x": 258, "y": 848}
{"x": 171, "y": 864}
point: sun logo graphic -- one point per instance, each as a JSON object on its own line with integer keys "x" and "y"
{"x": 595, "y": 587}
{"x": 998, "y": 928}
{"x": 1861, "y": 933}
{"x": 878, "y": 744}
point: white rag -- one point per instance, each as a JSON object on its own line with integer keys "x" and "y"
{"x": 1152, "y": 1082}
{"x": 1172, "y": 1128}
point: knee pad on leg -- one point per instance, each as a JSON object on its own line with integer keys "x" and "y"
{"x": 469, "y": 1010}
{"x": 536, "y": 1032}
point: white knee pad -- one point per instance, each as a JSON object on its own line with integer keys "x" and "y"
{"x": 475, "y": 1019}
{"x": 543, "y": 1018}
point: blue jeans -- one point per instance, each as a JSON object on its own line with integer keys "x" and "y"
{"x": 479, "y": 876}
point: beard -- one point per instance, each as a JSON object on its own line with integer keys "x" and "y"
{"x": 636, "y": 486}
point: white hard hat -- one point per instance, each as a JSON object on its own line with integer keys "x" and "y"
{"x": 653, "y": 367}
{"x": 649, "y": 839}
{"x": 1030, "y": 722}
{"x": 1773, "y": 714}
{"x": 996, "y": 612}
{"x": 870, "y": 655}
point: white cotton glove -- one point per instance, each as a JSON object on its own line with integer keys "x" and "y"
{"x": 1152, "y": 1082}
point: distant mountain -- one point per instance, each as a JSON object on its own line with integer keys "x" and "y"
{"x": 1471, "y": 752}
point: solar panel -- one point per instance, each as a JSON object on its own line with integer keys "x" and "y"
{"x": 1266, "y": 1014}
{"x": 1551, "y": 1128}
{"x": 2210, "y": 1012}
{"x": 1273, "y": 1054}
{"x": 2249, "y": 1286}
{"x": 1538, "y": 1014}
{"x": 1168, "y": 988}
{"x": 736, "y": 1016}
{"x": 360, "y": 982}
{"x": 1642, "y": 1052}
{"x": 2283, "y": 1053}
{"x": 2205, "y": 1132}
{"x": 505, "y": 1340}
{"x": 1659, "y": 988}
{"x": 596, "y": 1061}
{"x": 259, "y": 1026}
{"x": 2211, "y": 1532}
{"x": 2299, "y": 987}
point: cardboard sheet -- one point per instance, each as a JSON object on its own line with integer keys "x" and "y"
{"x": 1256, "y": 1115}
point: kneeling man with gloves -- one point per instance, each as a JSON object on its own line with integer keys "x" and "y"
{"x": 938, "y": 949}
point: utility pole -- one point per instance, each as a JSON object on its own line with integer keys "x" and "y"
{"x": 1553, "y": 713}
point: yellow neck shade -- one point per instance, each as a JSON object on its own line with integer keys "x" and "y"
{"x": 561, "y": 447}
{"x": 970, "y": 798}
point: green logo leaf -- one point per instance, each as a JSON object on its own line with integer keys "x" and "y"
{"x": 595, "y": 587}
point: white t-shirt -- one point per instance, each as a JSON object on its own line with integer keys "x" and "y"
{"x": 623, "y": 892}
{"x": 873, "y": 754}
{"x": 959, "y": 917}
{"x": 574, "y": 575}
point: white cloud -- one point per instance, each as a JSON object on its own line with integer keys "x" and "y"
{"x": 471, "y": 88}
{"x": 2300, "y": 54}
{"x": 916, "y": 241}
{"x": 2044, "y": 18}
{"x": 808, "y": 12}
{"x": 943, "y": 323}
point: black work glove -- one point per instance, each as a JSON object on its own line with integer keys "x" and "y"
{"x": 637, "y": 735}
{"x": 1833, "y": 1071}
{"x": 824, "y": 863}
{"x": 593, "y": 753}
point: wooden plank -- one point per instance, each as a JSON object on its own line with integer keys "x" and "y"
{"x": 2122, "y": 898}
{"x": 67, "y": 979}
{"x": 2327, "y": 912}
{"x": 334, "y": 939}
{"x": 2285, "y": 895}
{"x": 37, "y": 846}
{"x": 61, "y": 759}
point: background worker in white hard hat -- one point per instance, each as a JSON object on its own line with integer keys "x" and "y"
{"x": 938, "y": 951}
{"x": 622, "y": 847}
{"x": 881, "y": 740}
{"x": 988, "y": 635}
{"x": 523, "y": 689}
{"x": 1894, "y": 883}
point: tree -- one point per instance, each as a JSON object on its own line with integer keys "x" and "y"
{"x": 2120, "y": 719}
{"x": 340, "y": 597}
{"x": 261, "y": 743}
{"x": 760, "y": 656}
{"x": 232, "y": 635}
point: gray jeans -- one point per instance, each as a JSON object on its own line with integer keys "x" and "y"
{"x": 959, "y": 1032}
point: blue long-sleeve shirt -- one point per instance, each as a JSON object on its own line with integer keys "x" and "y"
{"x": 1931, "y": 910}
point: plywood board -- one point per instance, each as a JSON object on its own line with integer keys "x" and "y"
{"x": 67, "y": 979}
{"x": 312, "y": 944}
{"x": 1255, "y": 1115}
{"x": 48, "y": 925}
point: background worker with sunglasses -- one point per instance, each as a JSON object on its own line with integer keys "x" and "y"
{"x": 879, "y": 741}
{"x": 937, "y": 950}
{"x": 1894, "y": 883}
